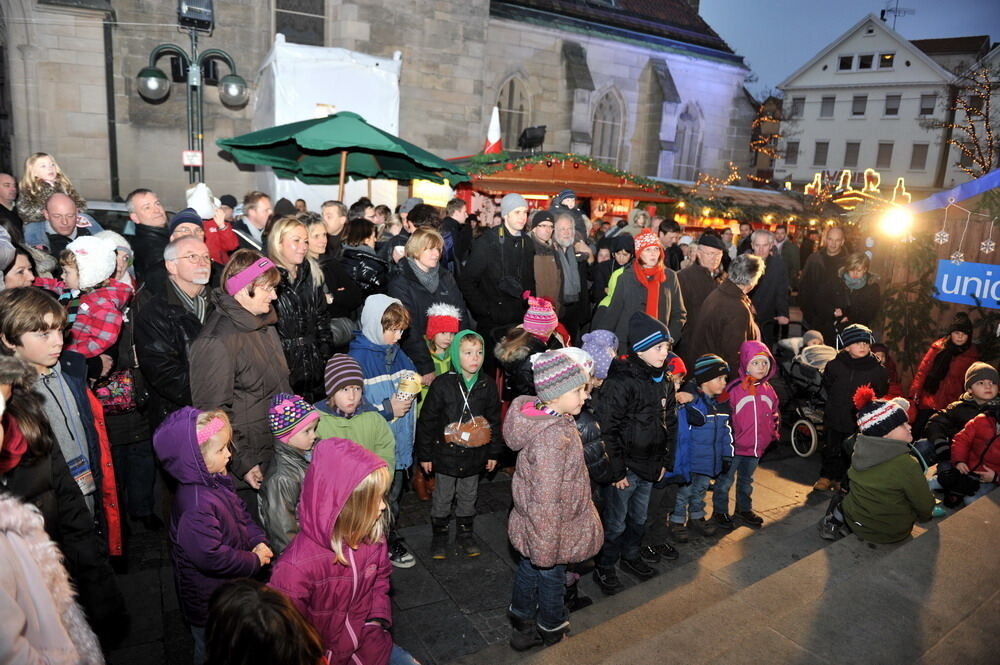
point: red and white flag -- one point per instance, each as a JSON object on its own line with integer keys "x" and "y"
{"x": 494, "y": 144}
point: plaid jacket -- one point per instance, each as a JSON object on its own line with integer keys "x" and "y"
{"x": 99, "y": 315}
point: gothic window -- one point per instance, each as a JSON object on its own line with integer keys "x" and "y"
{"x": 607, "y": 132}
{"x": 687, "y": 145}
{"x": 301, "y": 21}
{"x": 514, "y": 112}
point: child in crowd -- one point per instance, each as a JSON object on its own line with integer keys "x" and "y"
{"x": 346, "y": 414}
{"x": 514, "y": 351}
{"x": 212, "y": 538}
{"x": 336, "y": 570}
{"x": 939, "y": 378}
{"x": 703, "y": 429}
{"x": 881, "y": 352}
{"x": 639, "y": 422}
{"x": 458, "y": 435}
{"x": 553, "y": 522}
{"x": 981, "y": 383}
{"x": 853, "y": 367}
{"x": 755, "y": 421}
{"x": 442, "y": 325}
{"x": 384, "y": 364}
{"x": 602, "y": 346}
{"x": 293, "y": 424}
{"x": 975, "y": 450}
{"x": 252, "y": 624}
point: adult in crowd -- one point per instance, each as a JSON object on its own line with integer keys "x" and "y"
{"x": 785, "y": 245}
{"x": 303, "y": 322}
{"x": 857, "y": 296}
{"x": 168, "y": 321}
{"x": 770, "y": 296}
{"x": 228, "y": 204}
{"x": 342, "y": 295}
{"x": 456, "y": 223}
{"x": 808, "y": 245}
{"x": 622, "y": 250}
{"x": 62, "y": 225}
{"x": 367, "y": 268}
{"x": 183, "y": 224}
{"x": 670, "y": 234}
{"x": 574, "y": 258}
{"x": 548, "y": 280}
{"x": 41, "y": 179}
{"x": 362, "y": 209}
{"x": 257, "y": 210}
{"x": 644, "y": 285}
{"x": 700, "y": 278}
{"x": 237, "y": 364}
{"x": 421, "y": 282}
{"x": 20, "y": 271}
{"x": 746, "y": 231}
{"x": 389, "y": 251}
{"x": 9, "y": 219}
{"x": 334, "y": 215}
{"x": 940, "y": 377}
{"x": 819, "y": 280}
{"x": 151, "y": 233}
{"x": 565, "y": 201}
{"x": 499, "y": 270}
{"x": 726, "y": 318}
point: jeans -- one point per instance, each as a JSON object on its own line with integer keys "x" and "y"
{"x": 400, "y": 656}
{"x": 539, "y": 593}
{"x": 395, "y": 492}
{"x": 198, "y": 635}
{"x": 136, "y": 471}
{"x": 661, "y": 504}
{"x": 462, "y": 491}
{"x": 624, "y": 520}
{"x": 690, "y": 502}
{"x": 744, "y": 465}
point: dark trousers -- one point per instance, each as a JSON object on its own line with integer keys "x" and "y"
{"x": 835, "y": 460}
{"x": 573, "y": 317}
{"x": 135, "y": 471}
{"x": 661, "y": 504}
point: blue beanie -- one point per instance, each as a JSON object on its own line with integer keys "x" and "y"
{"x": 645, "y": 332}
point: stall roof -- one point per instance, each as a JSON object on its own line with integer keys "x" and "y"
{"x": 747, "y": 196}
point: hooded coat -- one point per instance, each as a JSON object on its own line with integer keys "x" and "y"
{"x": 237, "y": 364}
{"x": 445, "y": 404}
{"x": 383, "y": 365}
{"x": 951, "y": 386}
{"x": 704, "y": 436}
{"x": 211, "y": 533}
{"x": 756, "y": 416}
{"x": 554, "y": 520}
{"x": 340, "y": 601}
{"x": 888, "y": 491}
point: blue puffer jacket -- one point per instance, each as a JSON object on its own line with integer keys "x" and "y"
{"x": 703, "y": 429}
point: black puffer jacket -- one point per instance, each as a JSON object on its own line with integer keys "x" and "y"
{"x": 500, "y": 268}
{"x": 347, "y": 296}
{"x": 164, "y": 333}
{"x": 638, "y": 418}
{"x": 148, "y": 245}
{"x": 594, "y": 454}
{"x": 369, "y": 272}
{"x": 416, "y": 299}
{"x": 518, "y": 378}
{"x": 445, "y": 405}
{"x": 844, "y": 375}
{"x": 304, "y": 328}
{"x": 949, "y": 421}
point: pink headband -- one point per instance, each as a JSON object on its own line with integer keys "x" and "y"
{"x": 246, "y": 276}
{"x": 210, "y": 430}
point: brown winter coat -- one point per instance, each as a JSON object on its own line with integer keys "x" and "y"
{"x": 554, "y": 520}
{"x": 726, "y": 321}
{"x": 237, "y": 364}
{"x": 696, "y": 284}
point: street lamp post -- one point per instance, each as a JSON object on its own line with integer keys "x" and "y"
{"x": 154, "y": 86}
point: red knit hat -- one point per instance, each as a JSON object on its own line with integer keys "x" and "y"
{"x": 646, "y": 238}
{"x": 442, "y": 318}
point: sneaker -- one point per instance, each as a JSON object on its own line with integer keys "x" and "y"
{"x": 607, "y": 579}
{"x": 823, "y": 485}
{"x": 667, "y": 551}
{"x": 678, "y": 532}
{"x": 638, "y": 568}
{"x": 399, "y": 556}
{"x": 649, "y": 554}
{"x": 723, "y": 521}
{"x": 750, "y": 518}
{"x": 829, "y": 528}
{"x": 703, "y": 526}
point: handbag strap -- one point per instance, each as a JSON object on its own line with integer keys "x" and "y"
{"x": 465, "y": 398}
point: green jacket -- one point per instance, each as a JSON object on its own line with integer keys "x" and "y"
{"x": 888, "y": 491}
{"x": 368, "y": 429}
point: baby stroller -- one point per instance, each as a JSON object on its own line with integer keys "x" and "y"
{"x": 802, "y": 370}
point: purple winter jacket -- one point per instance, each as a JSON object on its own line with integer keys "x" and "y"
{"x": 755, "y": 415}
{"x": 211, "y": 533}
{"x": 340, "y": 601}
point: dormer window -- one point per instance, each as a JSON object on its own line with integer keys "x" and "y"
{"x": 845, "y": 63}
{"x": 886, "y": 60}
{"x": 865, "y": 62}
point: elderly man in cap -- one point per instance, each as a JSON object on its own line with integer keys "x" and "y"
{"x": 699, "y": 279}
{"x": 499, "y": 270}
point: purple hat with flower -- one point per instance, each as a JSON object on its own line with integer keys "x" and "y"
{"x": 288, "y": 415}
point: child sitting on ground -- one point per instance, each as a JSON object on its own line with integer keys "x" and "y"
{"x": 755, "y": 421}
{"x": 975, "y": 451}
{"x": 458, "y": 436}
{"x": 212, "y": 538}
{"x": 703, "y": 429}
{"x": 293, "y": 424}
{"x": 981, "y": 382}
{"x": 347, "y": 415}
{"x": 553, "y": 522}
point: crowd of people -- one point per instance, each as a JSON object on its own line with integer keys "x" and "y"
{"x": 283, "y": 374}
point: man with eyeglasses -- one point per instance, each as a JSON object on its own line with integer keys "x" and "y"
{"x": 63, "y": 224}
{"x": 770, "y": 297}
{"x": 166, "y": 323}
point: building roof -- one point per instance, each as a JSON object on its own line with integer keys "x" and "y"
{"x": 977, "y": 45}
{"x": 675, "y": 20}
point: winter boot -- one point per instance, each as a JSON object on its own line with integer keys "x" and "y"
{"x": 439, "y": 537}
{"x": 525, "y": 634}
{"x": 465, "y": 538}
{"x": 574, "y": 599}
{"x": 553, "y": 635}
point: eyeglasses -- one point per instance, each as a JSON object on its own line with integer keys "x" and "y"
{"x": 194, "y": 258}
{"x": 267, "y": 288}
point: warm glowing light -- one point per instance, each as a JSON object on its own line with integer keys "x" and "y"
{"x": 681, "y": 205}
{"x": 768, "y": 218}
{"x": 896, "y": 222}
{"x": 706, "y": 212}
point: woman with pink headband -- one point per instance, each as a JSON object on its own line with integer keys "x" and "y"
{"x": 237, "y": 364}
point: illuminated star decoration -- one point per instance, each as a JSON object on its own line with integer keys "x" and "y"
{"x": 958, "y": 258}
{"x": 941, "y": 237}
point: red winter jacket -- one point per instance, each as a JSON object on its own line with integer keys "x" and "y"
{"x": 220, "y": 241}
{"x": 952, "y": 386}
{"x": 971, "y": 443}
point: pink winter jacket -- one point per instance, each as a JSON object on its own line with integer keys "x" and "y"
{"x": 554, "y": 520}
{"x": 755, "y": 413}
{"x": 340, "y": 601}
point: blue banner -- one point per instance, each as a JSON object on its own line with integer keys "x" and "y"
{"x": 965, "y": 282}
{"x": 964, "y": 191}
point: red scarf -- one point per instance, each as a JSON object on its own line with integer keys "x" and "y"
{"x": 651, "y": 278}
{"x": 14, "y": 445}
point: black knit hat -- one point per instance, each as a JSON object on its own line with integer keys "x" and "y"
{"x": 542, "y": 216}
{"x": 711, "y": 240}
{"x": 645, "y": 332}
{"x": 623, "y": 241}
{"x": 708, "y": 367}
{"x": 878, "y": 417}
{"x": 961, "y": 323}
{"x": 856, "y": 333}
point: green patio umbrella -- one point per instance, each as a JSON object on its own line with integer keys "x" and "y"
{"x": 327, "y": 150}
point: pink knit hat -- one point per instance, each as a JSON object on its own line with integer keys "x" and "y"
{"x": 540, "y": 319}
